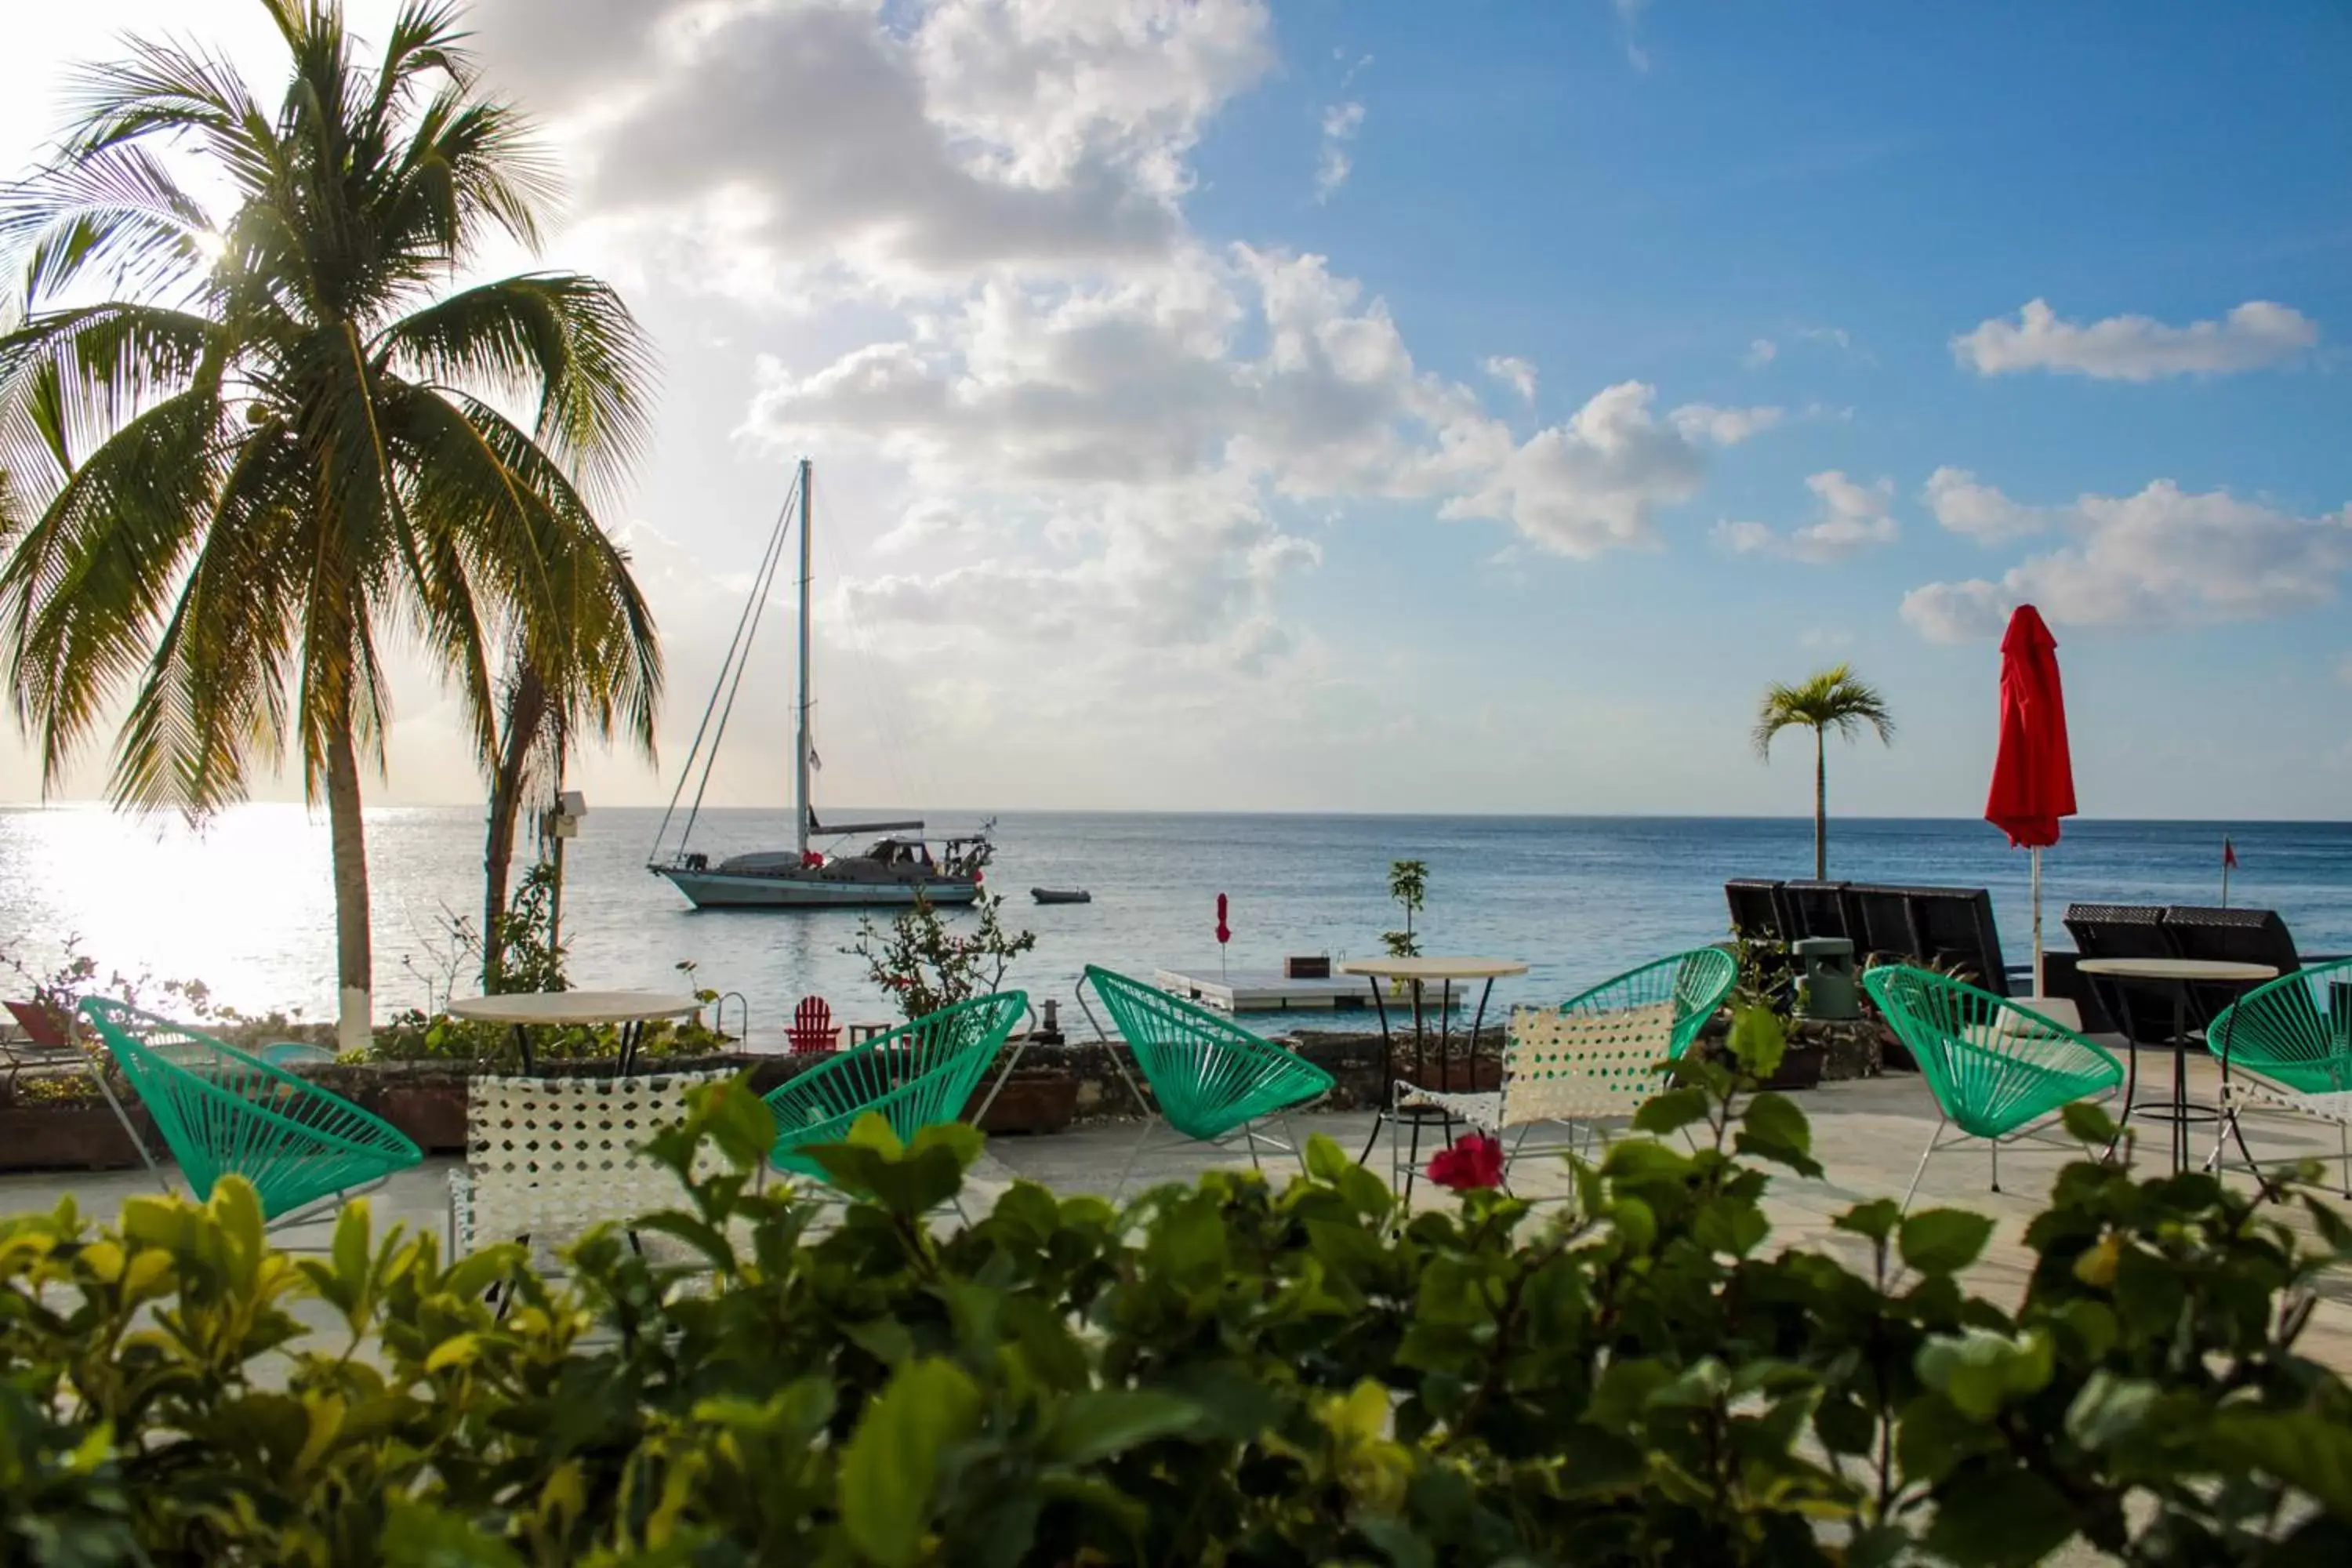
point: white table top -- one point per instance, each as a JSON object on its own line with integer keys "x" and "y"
{"x": 1437, "y": 968}
{"x": 573, "y": 1007}
{"x": 2174, "y": 969}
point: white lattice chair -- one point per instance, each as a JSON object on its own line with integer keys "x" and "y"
{"x": 1592, "y": 1058}
{"x": 1563, "y": 1072}
{"x": 549, "y": 1158}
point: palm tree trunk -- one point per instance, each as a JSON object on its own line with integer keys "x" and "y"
{"x": 355, "y": 956}
{"x": 526, "y": 712}
{"x": 1820, "y": 807}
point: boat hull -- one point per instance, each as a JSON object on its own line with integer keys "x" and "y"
{"x": 714, "y": 890}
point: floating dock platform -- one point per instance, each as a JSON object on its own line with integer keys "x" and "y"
{"x": 1264, "y": 990}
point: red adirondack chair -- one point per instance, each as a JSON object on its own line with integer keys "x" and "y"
{"x": 812, "y": 1029}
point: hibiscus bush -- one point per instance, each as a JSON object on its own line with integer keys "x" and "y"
{"x": 1225, "y": 1373}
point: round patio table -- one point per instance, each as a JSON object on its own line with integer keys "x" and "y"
{"x": 2174, "y": 976}
{"x": 1420, "y": 973}
{"x": 631, "y": 1010}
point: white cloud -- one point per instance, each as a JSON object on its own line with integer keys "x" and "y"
{"x": 1629, "y": 20}
{"x": 1724, "y": 427}
{"x": 806, "y": 137}
{"x": 1759, "y": 353}
{"x": 1515, "y": 373}
{"x": 2161, "y": 558}
{"x": 1854, "y": 518}
{"x": 2136, "y": 348}
{"x": 1598, "y": 482}
{"x": 1341, "y": 122}
{"x": 1963, "y": 505}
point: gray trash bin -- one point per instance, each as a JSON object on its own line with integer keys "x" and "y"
{"x": 1827, "y": 980}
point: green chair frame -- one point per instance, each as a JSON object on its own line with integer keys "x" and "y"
{"x": 1568, "y": 1092}
{"x": 221, "y": 1112}
{"x": 2000, "y": 1072}
{"x": 1212, "y": 1080}
{"x": 917, "y": 1075}
{"x": 2286, "y": 1046}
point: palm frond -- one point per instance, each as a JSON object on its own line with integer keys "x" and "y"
{"x": 1832, "y": 699}
{"x": 114, "y": 210}
{"x": 68, "y": 377}
{"x": 572, "y": 609}
{"x": 562, "y": 341}
{"x": 83, "y": 587}
{"x": 213, "y": 700}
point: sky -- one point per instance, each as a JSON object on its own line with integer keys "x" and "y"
{"x": 1319, "y": 405}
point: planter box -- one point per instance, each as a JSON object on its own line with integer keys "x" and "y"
{"x": 432, "y": 1115}
{"x": 1800, "y": 1067}
{"x": 1031, "y": 1103}
{"x": 71, "y": 1137}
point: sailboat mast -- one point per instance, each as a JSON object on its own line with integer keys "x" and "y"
{"x": 800, "y": 748}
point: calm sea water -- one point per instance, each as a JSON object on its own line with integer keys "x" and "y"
{"x": 247, "y": 907}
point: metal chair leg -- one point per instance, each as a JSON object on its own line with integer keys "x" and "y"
{"x": 1133, "y": 1155}
{"x": 1996, "y": 1164}
{"x": 1932, "y": 1139}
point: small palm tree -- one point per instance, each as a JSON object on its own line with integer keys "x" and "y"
{"x": 292, "y": 441}
{"x": 1832, "y": 700}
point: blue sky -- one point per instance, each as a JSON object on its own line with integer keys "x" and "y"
{"x": 1383, "y": 406}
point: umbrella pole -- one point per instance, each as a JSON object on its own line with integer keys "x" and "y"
{"x": 2037, "y": 924}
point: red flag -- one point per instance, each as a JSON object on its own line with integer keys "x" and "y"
{"x": 2229, "y": 853}
{"x": 1224, "y": 932}
{"x": 2032, "y": 773}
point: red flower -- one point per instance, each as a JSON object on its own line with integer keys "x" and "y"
{"x": 1474, "y": 1161}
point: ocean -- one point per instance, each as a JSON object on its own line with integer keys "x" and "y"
{"x": 247, "y": 907}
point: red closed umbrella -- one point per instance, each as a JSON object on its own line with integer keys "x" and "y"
{"x": 2034, "y": 774}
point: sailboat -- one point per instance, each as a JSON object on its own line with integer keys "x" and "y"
{"x": 895, "y": 867}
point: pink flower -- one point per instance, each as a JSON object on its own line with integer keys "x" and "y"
{"x": 1474, "y": 1161}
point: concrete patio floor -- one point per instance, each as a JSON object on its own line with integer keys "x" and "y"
{"x": 1868, "y": 1135}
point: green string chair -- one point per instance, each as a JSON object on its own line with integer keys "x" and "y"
{"x": 1998, "y": 1071}
{"x": 221, "y": 1112}
{"x": 1212, "y": 1079}
{"x": 1593, "y": 1056}
{"x": 918, "y": 1075}
{"x": 2287, "y": 1045}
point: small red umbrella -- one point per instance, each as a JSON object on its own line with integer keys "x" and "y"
{"x": 2034, "y": 774}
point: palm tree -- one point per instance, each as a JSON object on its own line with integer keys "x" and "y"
{"x": 293, "y": 438}
{"x": 1832, "y": 700}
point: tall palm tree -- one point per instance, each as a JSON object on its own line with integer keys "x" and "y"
{"x": 293, "y": 438}
{"x": 1832, "y": 700}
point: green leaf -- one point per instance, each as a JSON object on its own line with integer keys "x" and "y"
{"x": 1773, "y": 1129}
{"x": 1875, "y": 1219}
{"x": 1758, "y": 1040}
{"x": 736, "y": 1120}
{"x": 1671, "y": 1112}
{"x": 1998, "y": 1518}
{"x": 1943, "y": 1241}
{"x": 1396, "y": 1539}
{"x": 418, "y": 1536}
{"x": 1096, "y": 1425}
{"x": 1980, "y": 1370}
{"x": 2302, "y": 1448}
{"x": 892, "y": 1463}
{"x": 2089, "y": 1124}
{"x": 2109, "y": 1409}
{"x": 1325, "y": 1160}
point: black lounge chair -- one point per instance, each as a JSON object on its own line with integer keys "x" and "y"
{"x": 1755, "y": 909}
{"x": 2143, "y": 1013}
{"x": 1812, "y": 908}
{"x": 2229, "y": 936}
